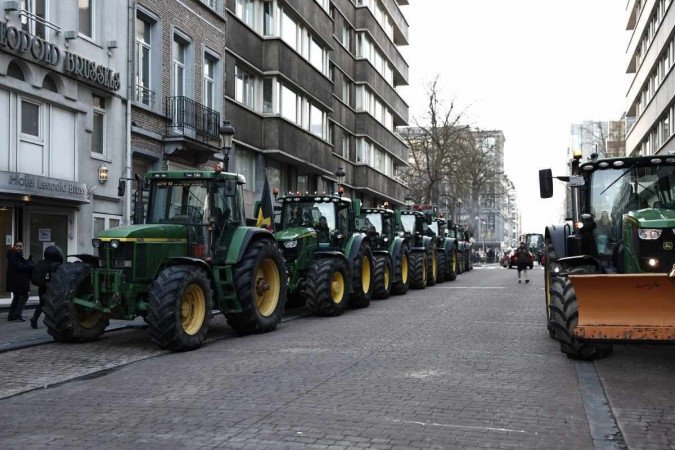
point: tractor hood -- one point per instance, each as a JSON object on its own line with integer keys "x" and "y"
{"x": 654, "y": 218}
{"x": 293, "y": 234}
{"x": 146, "y": 232}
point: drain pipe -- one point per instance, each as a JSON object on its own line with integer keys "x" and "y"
{"x": 131, "y": 33}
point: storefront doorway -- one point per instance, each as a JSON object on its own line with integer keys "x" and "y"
{"x": 6, "y": 242}
{"x": 43, "y": 230}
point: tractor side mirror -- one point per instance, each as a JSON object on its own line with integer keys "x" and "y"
{"x": 545, "y": 183}
{"x": 121, "y": 188}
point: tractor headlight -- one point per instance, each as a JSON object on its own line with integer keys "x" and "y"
{"x": 114, "y": 243}
{"x": 653, "y": 262}
{"x": 291, "y": 244}
{"x": 96, "y": 243}
{"x": 649, "y": 234}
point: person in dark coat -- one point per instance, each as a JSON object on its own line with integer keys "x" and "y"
{"x": 18, "y": 280}
{"x": 523, "y": 261}
{"x": 52, "y": 259}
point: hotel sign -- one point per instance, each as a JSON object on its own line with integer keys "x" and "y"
{"x": 20, "y": 41}
{"x": 25, "y": 184}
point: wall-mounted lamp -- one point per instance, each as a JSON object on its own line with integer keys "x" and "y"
{"x": 102, "y": 174}
{"x": 226, "y": 137}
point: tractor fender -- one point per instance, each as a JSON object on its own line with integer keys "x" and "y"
{"x": 241, "y": 239}
{"x": 86, "y": 258}
{"x": 557, "y": 235}
{"x": 428, "y": 242}
{"x": 332, "y": 254}
{"x": 353, "y": 248}
{"x": 396, "y": 246}
{"x": 185, "y": 260}
{"x": 381, "y": 252}
{"x": 571, "y": 262}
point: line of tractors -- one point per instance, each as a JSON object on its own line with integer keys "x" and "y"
{"x": 194, "y": 252}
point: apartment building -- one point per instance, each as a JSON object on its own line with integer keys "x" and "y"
{"x": 650, "y": 113}
{"x": 313, "y": 95}
{"x": 63, "y": 100}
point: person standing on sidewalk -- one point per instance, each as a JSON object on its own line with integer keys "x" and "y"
{"x": 52, "y": 259}
{"x": 18, "y": 280}
{"x": 523, "y": 261}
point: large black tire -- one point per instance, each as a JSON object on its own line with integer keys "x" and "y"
{"x": 402, "y": 270}
{"x": 451, "y": 265}
{"x": 327, "y": 288}
{"x": 362, "y": 278}
{"x": 432, "y": 266}
{"x": 65, "y": 321}
{"x": 460, "y": 263}
{"x": 260, "y": 282}
{"x": 179, "y": 309}
{"x": 550, "y": 258}
{"x": 418, "y": 270}
{"x": 441, "y": 264}
{"x": 382, "y": 277}
{"x": 565, "y": 316}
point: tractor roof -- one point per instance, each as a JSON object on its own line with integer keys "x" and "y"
{"x": 195, "y": 174}
{"x": 314, "y": 198}
{"x": 624, "y": 163}
{"x": 377, "y": 211}
{"x": 412, "y": 213}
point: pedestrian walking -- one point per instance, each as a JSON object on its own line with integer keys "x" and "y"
{"x": 19, "y": 272}
{"x": 523, "y": 261}
{"x": 51, "y": 260}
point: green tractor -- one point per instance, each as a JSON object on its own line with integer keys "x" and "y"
{"x": 193, "y": 253}
{"x": 329, "y": 263}
{"x": 446, "y": 250}
{"x": 390, "y": 251}
{"x": 421, "y": 246}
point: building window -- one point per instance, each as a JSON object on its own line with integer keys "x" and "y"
{"x": 245, "y": 165}
{"x": 289, "y": 104}
{"x": 268, "y": 96}
{"x": 179, "y": 52}
{"x": 14, "y": 71}
{"x": 345, "y": 35}
{"x": 244, "y": 87}
{"x": 289, "y": 31}
{"x": 209, "y": 81}
{"x": 30, "y": 119}
{"x": 98, "y": 129}
{"x": 103, "y": 222}
{"x": 35, "y": 23}
{"x": 144, "y": 92}
{"x": 245, "y": 9}
{"x": 268, "y": 18}
{"x": 86, "y": 17}
{"x": 315, "y": 55}
{"x": 316, "y": 121}
{"x": 345, "y": 146}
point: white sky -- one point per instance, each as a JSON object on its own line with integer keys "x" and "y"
{"x": 528, "y": 67}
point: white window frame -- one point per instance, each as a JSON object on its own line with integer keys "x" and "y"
{"x": 139, "y": 60}
{"x": 93, "y": 7}
{"x": 102, "y": 112}
{"x": 178, "y": 65}
{"x": 244, "y": 84}
{"x": 31, "y": 137}
{"x": 107, "y": 218}
{"x": 209, "y": 80}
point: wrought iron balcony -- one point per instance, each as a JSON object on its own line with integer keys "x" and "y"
{"x": 186, "y": 114}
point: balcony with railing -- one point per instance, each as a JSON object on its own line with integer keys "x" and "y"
{"x": 191, "y": 128}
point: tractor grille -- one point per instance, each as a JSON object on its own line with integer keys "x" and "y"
{"x": 647, "y": 249}
{"x": 291, "y": 255}
{"x": 120, "y": 257}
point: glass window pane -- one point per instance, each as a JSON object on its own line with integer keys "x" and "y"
{"x": 315, "y": 54}
{"x": 30, "y": 118}
{"x": 97, "y": 133}
{"x": 268, "y": 104}
{"x": 113, "y": 223}
{"x": 289, "y": 31}
{"x": 316, "y": 121}
{"x": 289, "y": 104}
{"x": 99, "y": 225}
{"x": 85, "y": 17}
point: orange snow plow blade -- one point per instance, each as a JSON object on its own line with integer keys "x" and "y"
{"x": 625, "y": 307}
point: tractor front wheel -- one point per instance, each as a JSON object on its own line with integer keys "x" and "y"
{"x": 179, "y": 310}
{"x": 382, "y": 277}
{"x": 327, "y": 287}
{"x": 362, "y": 277}
{"x": 460, "y": 263}
{"x": 418, "y": 270}
{"x": 565, "y": 316}
{"x": 432, "y": 266}
{"x": 260, "y": 283}
{"x": 451, "y": 265}
{"x": 401, "y": 266}
{"x": 66, "y": 321}
{"x": 441, "y": 265}
{"x": 550, "y": 258}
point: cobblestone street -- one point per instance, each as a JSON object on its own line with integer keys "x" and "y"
{"x": 467, "y": 363}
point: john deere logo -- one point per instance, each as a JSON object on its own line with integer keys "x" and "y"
{"x": 667, "y": 245}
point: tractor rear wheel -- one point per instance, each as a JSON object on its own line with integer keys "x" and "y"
{"x": 66, "y": 321}
{"x": 382, "y": 277}
{"x": 401, "y": 267}
{"x": 418, "y": 270}
{"x": 565, "y": 316}
{"x": 451, "y": 265}
{"x": 441, "y": 265}
{"x": 362, "y": 278}
{"x": 432, "y": 265}
{"x": 179, "y": 309}
{"x": 260, "y": 283}
{"x": 550, "y": 258}
{"x": 460, "y": 263}
{"x": 326, "y": 290}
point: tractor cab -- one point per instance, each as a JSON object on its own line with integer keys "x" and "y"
{"x": 379, "y": 224}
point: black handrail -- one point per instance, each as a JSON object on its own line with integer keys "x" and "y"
{"x": 183, "y": 112}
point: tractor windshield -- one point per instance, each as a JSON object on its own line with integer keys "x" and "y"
{"x": 308, "y": 214}
{"x": 374, "y": 220}
{"x": 434, "y": 228}
{"x": 189, "y": 202}
{"x": 408, "y": 221}
{"x": 616, "y": 192}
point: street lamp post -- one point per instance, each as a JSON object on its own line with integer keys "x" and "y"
{"x": 409, "y": 200}
{"x": 226, "y": 137}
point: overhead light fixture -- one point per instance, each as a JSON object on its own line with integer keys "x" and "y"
{"x": 102, "y": 174}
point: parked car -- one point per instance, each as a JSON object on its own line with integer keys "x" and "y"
{"x": 505, "y": 258}
{"x": 514, "y": 263}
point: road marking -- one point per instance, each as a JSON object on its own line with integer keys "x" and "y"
{"x": 466, "y": 427}
{"x": 605, "y": 432}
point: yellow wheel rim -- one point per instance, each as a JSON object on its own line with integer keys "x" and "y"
{"x": 404, "y": 269}
{"x": 88, "y": 318}
{"x": 386, "y": 277}
{"x": 192, "y": 309}
{"x": 433, "y": 264}
{"x": 365, "y": 274}
{"x": 267, "y": 287}
{"x": 337, "y": 287}
{"x": 424, "y": 269}
{"x": 454, "y": 262}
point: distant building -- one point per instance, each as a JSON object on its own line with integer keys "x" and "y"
{"x": 606, "y": 138}
{"x": 616, "y": 139}
{"x": 650, "y": 111}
